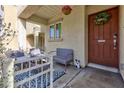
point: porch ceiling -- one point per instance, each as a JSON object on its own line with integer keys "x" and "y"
{"x": 27, "y": 11}
{"x": 49, "y": 11}
{"x": 45, "y": 12}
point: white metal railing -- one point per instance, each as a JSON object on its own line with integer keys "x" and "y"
{"x": 30, "y": 72}
{"x": 41, "y": 64}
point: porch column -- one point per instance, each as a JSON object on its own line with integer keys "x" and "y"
{"x": 36, "y": 36}
{"x": 36, "y": 39}
{"x": 21, "y": 26}
{"x": 121, "y": 57}
{"x": 82, "y": 49}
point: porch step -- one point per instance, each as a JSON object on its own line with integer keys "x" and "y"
{"x": 111, "y": 69}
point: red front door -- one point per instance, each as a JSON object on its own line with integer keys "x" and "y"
{"x": 103, "y": 39}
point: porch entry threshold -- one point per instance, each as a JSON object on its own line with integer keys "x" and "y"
{"x": 111, "y": 69}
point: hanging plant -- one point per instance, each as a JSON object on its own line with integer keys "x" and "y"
{"x": 66, "y": 10}
{"x": 102, "y": 18}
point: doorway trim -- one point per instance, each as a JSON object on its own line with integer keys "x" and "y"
{"x": 118, "y": 40}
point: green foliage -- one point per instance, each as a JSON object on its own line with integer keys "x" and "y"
{"x": 6, "y": 36}
{"x": 102, "y": 18}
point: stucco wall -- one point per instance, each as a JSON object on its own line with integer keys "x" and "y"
{"x": 73, "y": 30}
{"x": 30, "y": 25}
{"x": 96, "y": 8}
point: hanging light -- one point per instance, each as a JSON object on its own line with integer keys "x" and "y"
{"x": 66, "y": 9}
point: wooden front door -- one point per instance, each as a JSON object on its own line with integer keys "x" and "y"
{"x": 103, "y": 39}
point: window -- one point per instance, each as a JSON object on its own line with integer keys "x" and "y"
{"x": 58, "y": 30}
{"x": 52, "y": 31}
{"x": 55, "y": 31}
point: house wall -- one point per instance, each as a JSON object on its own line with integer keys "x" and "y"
{"x": 11, "y": 16}
{"x": 73, "y": 34}
{"x": 75, "y": 31}
{"x": 30, "y": 25}
{"x": 96, "y": 8}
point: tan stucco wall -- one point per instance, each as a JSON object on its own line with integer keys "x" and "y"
{"x": 30, "y": 25}
{"x": 73, "y": 34}
{"x": 97, "y": 8}
{"x": 11, "y": 16}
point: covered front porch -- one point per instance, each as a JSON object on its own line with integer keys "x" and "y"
{"x": 47, "y": 28}
{"x": 74, "y": 29}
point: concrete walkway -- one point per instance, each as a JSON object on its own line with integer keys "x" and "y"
{"x": 96, "y": 78}
{"x": 88, "y": 78}
{"x": 65, "y": 79}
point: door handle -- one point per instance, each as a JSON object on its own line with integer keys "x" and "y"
{"x": 115, "y": 43}
{"x": 115, "y": 40}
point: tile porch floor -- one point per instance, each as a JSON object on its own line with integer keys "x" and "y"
{"x": 88, "y": 78}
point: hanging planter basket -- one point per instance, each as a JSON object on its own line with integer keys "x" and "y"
{"x": 102, "y": 18}
{"x": 66, "y": 10}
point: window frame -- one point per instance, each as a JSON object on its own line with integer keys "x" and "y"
{"x": 55, "y": 38}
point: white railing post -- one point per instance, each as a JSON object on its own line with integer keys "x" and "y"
{"x": 29, "y": 74}
{"x": 51, "y": 71}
